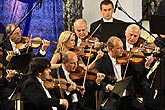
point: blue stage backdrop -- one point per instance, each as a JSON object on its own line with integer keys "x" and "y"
{"x": 45, "y": 21}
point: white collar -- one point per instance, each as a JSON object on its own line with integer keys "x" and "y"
{"x": 111, "y": 20}
{"x": 12, "y": 43}
{"x": 79, "y": 42}
{"x": 128, "y": 46}
{"x": 112, "y": 59}
{"x": 40, "y": 80}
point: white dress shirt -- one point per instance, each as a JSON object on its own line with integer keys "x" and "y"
{"x": 111, "y": 20}
{"x": 15, "y": 49}
{"x": 46, "y": 91}
{"x": 116, "y": 68}
{"x": 74, "y": 96}
{"x": 128, "y": 46}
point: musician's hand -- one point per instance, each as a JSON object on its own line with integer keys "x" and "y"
{"x": 45, "y": 44}
{"x": 149, "y": 60}
{"x": 81, "y": 89}
{"x": 162, "y": 35}
{"x": 97, "y": 45}
{"x": 99, "y": 55}
{"x": 110, "y": 87}
{"x": 65, "y": 103}
{"x": 100, "y": 77}
{"x": 72, "y": 87}
{"x": 10, "y": 74}
{"x": 10, "y": 54}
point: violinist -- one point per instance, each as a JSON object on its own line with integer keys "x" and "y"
{"x": 9, "y": 48}
{"x": 9, "y": 45}
{"x": 33, "y": 92}
{"x": 158, "y": 75}
{"x": 108, "y": 65}
{"x": 82, "y": 40}
{"x": 70, "y": 64}
{"x": 66, "y": 42}
{"x": 133, "y": 40}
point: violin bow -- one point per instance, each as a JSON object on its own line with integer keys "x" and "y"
{"x": 85, "y": 76}
{"x": 29, "y": 43}
{"x": 58, "y": 76}
{"x": 127, "y": 65}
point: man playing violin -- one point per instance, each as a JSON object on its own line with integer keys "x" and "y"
{"x": 132, "y": 43}
{"x": 10, "y": 50}
{"x": 108, "y": 64}
{"x": 83, "y": 37}
{"x": 74, "y": 97}
{"x": 33, "y": 92}
{"x": 9, "y": 45}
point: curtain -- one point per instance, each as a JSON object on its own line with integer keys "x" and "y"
{"x": 45, "y": 21}
{"x": 72, "y": 11}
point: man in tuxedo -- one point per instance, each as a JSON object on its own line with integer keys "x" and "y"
{"x": 107, "y": 10}
{"x": 10, "y": 50}
{"x": 33, "y": 92}
{"x": 74, "y": 97}
{"x": 108, "y": 65}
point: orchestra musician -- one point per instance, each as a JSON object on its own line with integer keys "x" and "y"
{"x": 157, "y": 103}
{"x": 66, "y": 42}
{"x": 74, "y": 97}
{"x": 133, "y": 40}
{"x": 10, "y": 50}
{"x": 107, "y": 10}
{"x": 33, "y": 92}
{"x": 108, "y": 65}
{"x": 82, "y": 37}
{"x": 9, "y": 45}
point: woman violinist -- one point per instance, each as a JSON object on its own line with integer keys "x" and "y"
{"x": 66, "y": 42}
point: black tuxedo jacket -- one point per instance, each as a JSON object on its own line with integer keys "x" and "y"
{"x": 94, "y": 25}
{"x": 34, "y": 96}
{"x": 90, "y": 87}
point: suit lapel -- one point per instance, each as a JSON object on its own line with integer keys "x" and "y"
{"x": 109, "y": 65}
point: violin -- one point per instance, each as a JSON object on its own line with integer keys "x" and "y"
{"x": 56, "y": 83}
{"x": 94, "y": 43}
{"x": 91, "y": 75}
{"x": 32, "y": 42}
{"x": 51, "y": 83}
{"x": 133, "y": 56}
{"x": 82, "y": 52}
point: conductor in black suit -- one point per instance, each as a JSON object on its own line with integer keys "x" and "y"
{"x": 33, "y": 93}
{"x": 107, "y": 10}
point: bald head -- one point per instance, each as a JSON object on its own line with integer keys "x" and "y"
{"x": 70, "y": 60}
{"x": 132, "y": 33}
{"x": 80, "y": 28}
{"x": 68, "y": 56}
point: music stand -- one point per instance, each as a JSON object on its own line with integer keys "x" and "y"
{"x": 116, "y": 93}
{"x": 20, "y": 62}
{"x": 156, "y": 22}
{"x": 113, "y": 29}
